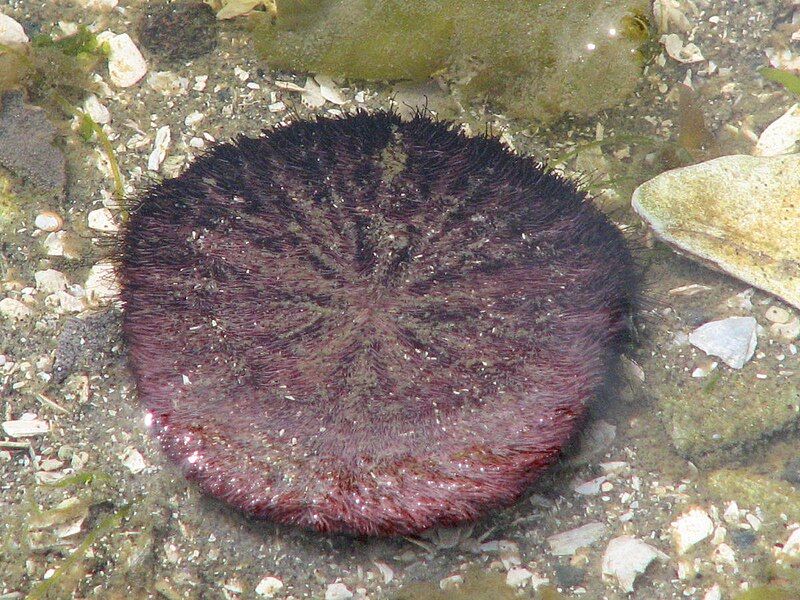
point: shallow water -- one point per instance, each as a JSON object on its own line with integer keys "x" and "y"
{"x": 133, "y": 526}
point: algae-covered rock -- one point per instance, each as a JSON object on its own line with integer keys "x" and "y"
{"x": 738, "y": 214}
{"x": 536, "y": 59}
{"x": 775, "y": 498}
{"x": 710, "y": 420}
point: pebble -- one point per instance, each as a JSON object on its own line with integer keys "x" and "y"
{"x": 691, "y": 527}
{"x": 97, "y": 111}
{"x": 133, "y": 460}
{"x": 50, "y": 281}
{"x": 100, "y": 5}
{"x": 13, "y": 309}
{"x": 337, "y": 591}
{"x": 449, "y": 583}
{"x": 778, "y": 314}
{"x": 626, "y": 557}
{"x": 11, "y": 32}
{"x": 569, "y": 575}
{"x": 786, "y": 331}
{"x": 64, "y": 302}
{"x": 568, "y": 542}
{"x": 732, "y": 339}
{"x": 713, "y": 593}
{"x": 126, "y": 65}
{"x": 269, "y": 586}
{"x": 791, "y": 546}
{"x": 48, "y": 221}
{"x": 743, "y": 538}
{"x": 791, "y": 471}
{"x": 518, "y": 577}
{"x": 25, "y": 427}
{"x": 101, "y": 284}
{"x": 102, "y": 219}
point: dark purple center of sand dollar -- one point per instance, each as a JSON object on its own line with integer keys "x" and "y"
{"x": 369, "y": 325}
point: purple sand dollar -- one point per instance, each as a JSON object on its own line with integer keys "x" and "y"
{"x": 370, "y": 325}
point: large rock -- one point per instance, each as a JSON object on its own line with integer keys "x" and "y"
{"x": 739, "y": 214}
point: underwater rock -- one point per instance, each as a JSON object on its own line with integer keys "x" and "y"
{"x": 26, "y": 144}
{"x": 738, "y": 214}
{"x": 536, "y": 60}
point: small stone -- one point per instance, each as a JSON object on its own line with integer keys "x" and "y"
{"x": 20, "y": 428}
{"x": 193, "y": 118}
{"x": 133, "y": 460}
{"x": 732, "y": 339}
{"x": 791, "y": 546}
{"x": 50, "y": 281}
{"x": 786, "y": 331}
{"x": 791, "y": 471}
{"x": 385, "y": 570}
{"x": 778, "y": 314}
{"x": 126, "y": 65}
{"x": 691, "y": 527}
{"x": 48, "y": 221}
{"x": 450, "y": 583}
{"x": 11, "y": 32}
{"x": 337, "y": 591}
{"x": 568, "y": 542}
{"x": 101, "y": 284}
{"x": 103, "y": 220}
{"x": 269, "y": 586}
{"x": 99, "y": 5}
{"x": 713, "y": 593}
{"x": 626, "y": 557}
{"x": 518, "y": 577}
{"x": 97, "y": 111}
{"x": 743, "y": 538}
{"x": 13, "y": 309}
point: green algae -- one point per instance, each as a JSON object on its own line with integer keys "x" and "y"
{"x": 9, "y": 203}
{"x": 533, "y": 59}
{"x": 767, "y": 593}
{"x": 478, "y": 585}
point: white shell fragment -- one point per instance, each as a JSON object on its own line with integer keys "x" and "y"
{"x": 780, "y": 136}
{"x": 738, "y": 214}
{"x": 567, "y": 542}
{"x": 329, "y": 90}
{"x": 676, "y": 49}
{"x": 312, "y": 96}
{"x": 732, "y": 339}
{"x": 268, "y": 587}
{"x": 13, "y": 309}
{"x": 626, "y": 557}
{"x": 102, "y": 219}
{"x": 11, "y": 32}
{"x": 691, "y": 527}
{"x": 126, "y": 65}
{"x": 19, "y": 428}
{"x": 163, "y": 137}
